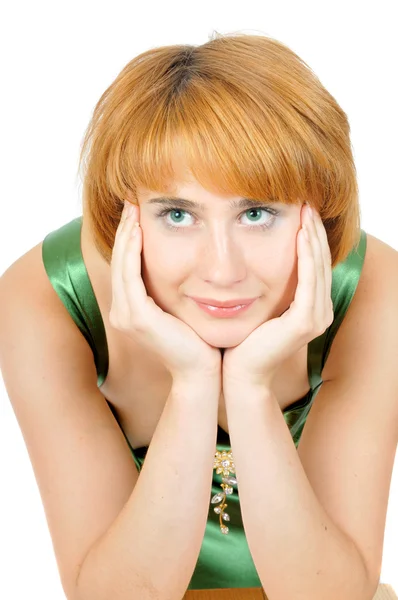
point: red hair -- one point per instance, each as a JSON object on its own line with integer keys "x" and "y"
{"x": 242, "y": 113}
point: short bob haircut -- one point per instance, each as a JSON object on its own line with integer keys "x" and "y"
{"x": 242, "y": 113}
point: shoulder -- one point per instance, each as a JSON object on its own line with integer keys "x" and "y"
{"x": 33, "y": 316}
{"x": 25, "y": 286}
{"x": 378, "y": 280}
{"x": 25, "y": 270}
{"x": 372, "y": 309}
{"x": 380, "y": 263}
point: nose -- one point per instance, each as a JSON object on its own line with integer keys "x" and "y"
{"x": 222, "y": 261}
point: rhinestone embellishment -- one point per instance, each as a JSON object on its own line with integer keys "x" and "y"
{"x": 224, "y": 463}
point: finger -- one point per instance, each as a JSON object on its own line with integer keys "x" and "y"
{"x": 319, "y": 266}
{"x": 134, "y": 287}
{"x": 119, "y": 296}
{"x": 116, "y": 251}
{"x": 306, "y": 287}
{"x": 326, "y": 258}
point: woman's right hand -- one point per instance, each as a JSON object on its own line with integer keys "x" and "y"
{"x": 180, "y": 349}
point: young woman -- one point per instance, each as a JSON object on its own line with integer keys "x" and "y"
{"x": 203, "y": 368}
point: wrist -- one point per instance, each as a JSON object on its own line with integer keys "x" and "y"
{"x": 241, "y": 387}
{"x": 196, "y": 394}
{"x": 241, "y": 379}
{"x": 198, "y": 379}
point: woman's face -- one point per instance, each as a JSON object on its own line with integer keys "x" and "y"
{"x": 219, "y": 252}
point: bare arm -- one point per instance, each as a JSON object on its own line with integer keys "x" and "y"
{"x": 128, "y": 535}
{"x": 151, "y": 549}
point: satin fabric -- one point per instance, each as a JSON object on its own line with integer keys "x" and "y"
{"x": 224, "y": 560}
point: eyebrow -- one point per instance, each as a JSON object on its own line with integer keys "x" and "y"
{"x": 171, "y": 201}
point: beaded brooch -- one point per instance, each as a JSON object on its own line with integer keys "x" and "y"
{"x": 224, "y": 463}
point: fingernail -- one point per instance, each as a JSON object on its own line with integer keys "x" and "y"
{"x": 310, "y": 211}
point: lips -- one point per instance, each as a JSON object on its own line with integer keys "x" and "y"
{"x": 226, "y": 303}
{"x": 223, "y": 312}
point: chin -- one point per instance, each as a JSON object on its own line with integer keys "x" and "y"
{"x": 222, "y": 341}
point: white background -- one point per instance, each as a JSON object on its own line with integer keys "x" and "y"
{"x": 57, "y": 58}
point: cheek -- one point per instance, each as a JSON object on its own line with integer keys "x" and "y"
{"x": 279, "y": 273}
{"x": 288, "y": 265}
{"x": 161, "y": 268}
{"x": 280, "y": 258}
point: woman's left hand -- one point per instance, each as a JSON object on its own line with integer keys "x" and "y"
{"x": 258, "y": 357}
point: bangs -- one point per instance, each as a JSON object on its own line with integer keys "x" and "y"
{"x": 223, "y": 138}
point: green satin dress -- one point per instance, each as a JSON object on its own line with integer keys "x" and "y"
{"x": 224, "y": 560}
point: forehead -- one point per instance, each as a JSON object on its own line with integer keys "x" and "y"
{"x": 193, "y": 194}
{"x": 186, "y": 191}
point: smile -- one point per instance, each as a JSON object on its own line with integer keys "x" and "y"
{"x": 231, "y": 311}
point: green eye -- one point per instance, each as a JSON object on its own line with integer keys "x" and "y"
{"x": 273, "y": 213}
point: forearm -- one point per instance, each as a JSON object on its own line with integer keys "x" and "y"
{"x": 298, "y": 550}
{"x": 151, "y": 549}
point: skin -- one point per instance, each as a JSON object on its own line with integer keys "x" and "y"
{"x": 215, "y": 254}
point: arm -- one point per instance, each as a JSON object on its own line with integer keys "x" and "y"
{"x": 106, "y": 520}
{"x": 315, "y": 517}
{"x": 298, "y": 550}
{"x": 151, "y": 549}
